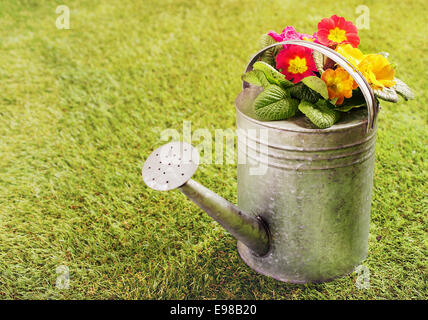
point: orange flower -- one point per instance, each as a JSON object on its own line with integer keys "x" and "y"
{"x": 377, "y": 71}
{"x": 353, "y": 55}
{"x": 339, "y": 84}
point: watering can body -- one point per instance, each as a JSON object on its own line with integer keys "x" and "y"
{"x": 304, "y": 194}
{"x": 312, "y": 187}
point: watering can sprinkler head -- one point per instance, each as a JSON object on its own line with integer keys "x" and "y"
{"x": 172, "y": 166}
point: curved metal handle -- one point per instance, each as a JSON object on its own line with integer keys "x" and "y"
{"x": 372, "y": 105}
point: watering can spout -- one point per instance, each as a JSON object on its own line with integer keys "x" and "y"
{"x": 172, "y": 166}
{"x": 247, "y": 229}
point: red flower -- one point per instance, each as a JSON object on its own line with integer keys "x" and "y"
{"x": 296, "y": 63}
{"x": 336, "y": 30}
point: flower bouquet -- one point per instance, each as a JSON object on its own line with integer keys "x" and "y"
{"x": 298, "y": 79}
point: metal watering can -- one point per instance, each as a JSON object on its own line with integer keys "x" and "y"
{"x": 306, "y": 218}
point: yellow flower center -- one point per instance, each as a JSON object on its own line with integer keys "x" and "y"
{"x": 308, "y": 39}
{"x": 297, "y": 65}
{"x": 337, "y": 35}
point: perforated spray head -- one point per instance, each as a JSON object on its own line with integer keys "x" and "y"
{"x": 170, "y": 166}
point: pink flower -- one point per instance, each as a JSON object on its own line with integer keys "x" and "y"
{"x": 309, "y": 37}
{"x": 289, "y": 33}
{"x": 296, "y": 63}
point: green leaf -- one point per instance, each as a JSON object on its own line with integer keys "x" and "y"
{"x": 320, "y": 114}
{"x": 273, "y": 75}
{"x": 269, "y": 55}
{"x": 302, "y": 92}
{"x": 274, "y": 103}
{"x": 317, "y": 85}
{"x": 334, "y": 100}
{"x": 403, "y": 89}
{"x": 387, "y": 94}
{"x": 268, "y": 58}
{"x": 356, "y": 101}
{"x": 256, "y": 77}
{"x": 266, "y": 40}
{"x": 325, "y": 103}
{"x": 347, "y": 108}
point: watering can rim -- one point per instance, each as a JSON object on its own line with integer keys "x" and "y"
{"x": 289, "y": 125}
{"x": 372, "y": 104}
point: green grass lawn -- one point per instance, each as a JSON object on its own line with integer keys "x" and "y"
{"x": 81, "y": 109}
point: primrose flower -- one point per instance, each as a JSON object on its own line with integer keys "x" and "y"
{"x": 339, "y": 84}
{"x": 336, "y": 30}
{"x": 296, "y": 63}
{"x": 289, "y": 33}
{"x": 377, "y": 71}
{"x": 309, "y": 37}
{"x": 353, "y": 55}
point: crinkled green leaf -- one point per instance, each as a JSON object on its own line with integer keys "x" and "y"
{"x": 273, "y": 75}
{"x": 302, "y": 92}
{"x": 256, "y": 77}
{"x": 403, "y": 89}
{"x": 325, "y": 103}
{"x": 387, "y": 94}
{"x": 268, "y": 58}
{"x": 317, "y": 85}
{"x": 320, "y": 114}
{"x": 266, "y": 40}
{"x": 269, "y": 55}
{"x": 274, "y": 103}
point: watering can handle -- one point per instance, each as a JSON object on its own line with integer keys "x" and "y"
{"x": 365, "y": 88}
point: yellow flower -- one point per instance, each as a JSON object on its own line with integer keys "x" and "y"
{"x": 353, "y": 55}
{"x": 339, "y": 84}
{"x": 377, "y": 71}
{"x": 374, "y": 67}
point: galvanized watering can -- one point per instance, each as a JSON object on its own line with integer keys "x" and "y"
{"x": 305, "y": 218}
